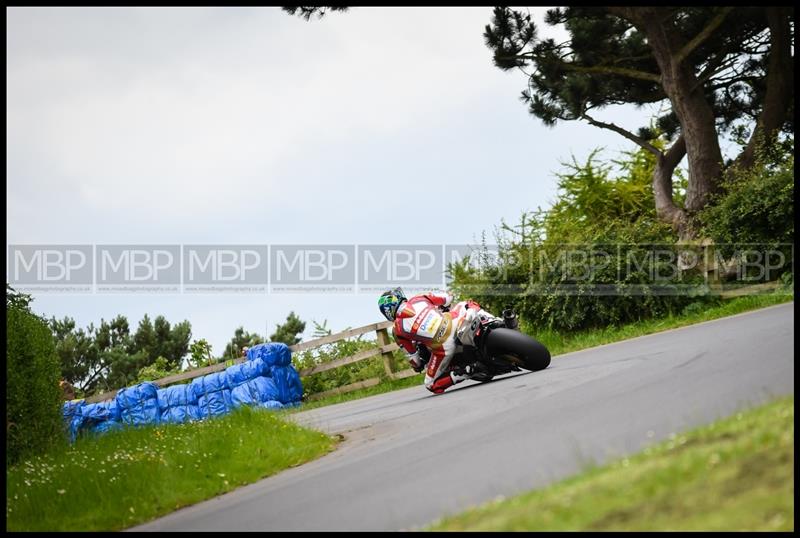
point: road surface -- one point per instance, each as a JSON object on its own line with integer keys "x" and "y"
{"x": 410, "y": 457}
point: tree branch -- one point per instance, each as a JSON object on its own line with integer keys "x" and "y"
{"x": 608, "y": 70}
{"x": 779, "y": 82}
{"x": 666, "y": 209}
{"x": 702, "y": 36}
{"x": 599, "y": 69}
{"x": 627, "y": 134}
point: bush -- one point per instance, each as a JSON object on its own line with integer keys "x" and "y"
{"x": 33, "y": 395}
{"x": 756, "y": 206}
{"x": 609, "y": 220}
{"x": 347, "y": 374}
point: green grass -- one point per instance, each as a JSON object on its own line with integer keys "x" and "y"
{"x": 560, "y": 343}
{"x": 127, "y": 477}
{"x": 736, "y": 474}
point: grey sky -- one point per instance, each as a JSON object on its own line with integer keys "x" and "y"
{"x": 234, "y": 126}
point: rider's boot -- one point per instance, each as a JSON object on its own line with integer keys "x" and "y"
{"x": 510, "y": 319}
{"x": 456, "y": 375}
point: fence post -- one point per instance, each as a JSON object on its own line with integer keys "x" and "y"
{"x": 383, "y": 339}
{"x": 711, "y": 266}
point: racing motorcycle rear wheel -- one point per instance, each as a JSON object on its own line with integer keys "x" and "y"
{"x": 517, "y": 348}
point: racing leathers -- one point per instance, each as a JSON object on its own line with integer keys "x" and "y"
{"x": 424, "y": 326}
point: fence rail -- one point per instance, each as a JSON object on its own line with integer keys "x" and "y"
{"x": 385, "y": 348}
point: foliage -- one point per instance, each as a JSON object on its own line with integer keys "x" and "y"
{"x": 16, "y": 299}
{"x": 33, "y": 395}
{"x": 714, "y": 71}
{"x": 593, "y": 259}
{"x": 108, "y": 356}
{"x": 159, "y": 369}
{"x": 200, "y": 354}
{"x": 288, "y": 331}
{"x": 756, "y": 206}
{"x": 347, "y": 374}
{"x": 306, "y": 12}
{"x": 321, "y": 330}
{"x": 608, "y": 59}
{"x": 240, "y": 340}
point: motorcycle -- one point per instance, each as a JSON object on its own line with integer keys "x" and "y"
{"x": 500, "y": 348}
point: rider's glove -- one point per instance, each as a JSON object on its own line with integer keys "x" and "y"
{"x": 416, "y": 363}
{"x": 420, "y": 358}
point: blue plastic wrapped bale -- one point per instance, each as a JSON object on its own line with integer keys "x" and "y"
{"x": 94, "y": 413}
{"x": 245, "y": 371}
{"x": 213, "y": 394}
{"x": 100, "y": 417}
{"x": 272, "y": 353}
{"x": 73, "y": 419}
{"x": 106, "y": 426}
{"x": 272, "y": 404}
{"x": 178, "y": 404}
{"x": 288, "y": 384}
{"x": 138, "y": 405}
{"x": 254, "y": 392}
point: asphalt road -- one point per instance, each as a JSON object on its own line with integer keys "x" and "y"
{"x": 410, "y": 457}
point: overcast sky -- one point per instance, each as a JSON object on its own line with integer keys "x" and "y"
{"x": 251, "y": 126}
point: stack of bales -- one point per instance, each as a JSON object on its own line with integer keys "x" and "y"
{"x": 266, "y": 379}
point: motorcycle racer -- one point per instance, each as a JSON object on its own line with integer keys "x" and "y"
{"x": 432, "y": 330}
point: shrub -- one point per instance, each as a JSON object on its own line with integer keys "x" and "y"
{"x": 611, "y": 221}
{"x": 347, "y": 374}
{"x": 33, "y": 395}
{"x": 756, "y": 206}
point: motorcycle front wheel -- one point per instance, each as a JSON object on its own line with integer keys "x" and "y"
{"x": 517, "y": 348}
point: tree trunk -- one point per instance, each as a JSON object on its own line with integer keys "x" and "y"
{"x": 780, "y": 86}
{"x": 698, "y": 127}
{"x": 666, "y": 210}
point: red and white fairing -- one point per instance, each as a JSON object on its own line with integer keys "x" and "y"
{"x": 421, "y": 319}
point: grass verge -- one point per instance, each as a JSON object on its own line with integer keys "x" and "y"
{"x": 736, "y": 474}
{"x": 130, "y": 476}
{"x": 560, "y": 343}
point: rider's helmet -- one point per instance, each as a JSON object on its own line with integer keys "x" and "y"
{"x": 390, "y": 301}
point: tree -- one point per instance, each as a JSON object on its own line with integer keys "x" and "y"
{"x": 288, "y": 331}
{"x": 241, "y": 338}
{"x": 308, "y": 11}
{"x": 720, "y": 70}
{"x": 109, "y": 356}
{"x": 145, "y": 338}
{"x": 76, "y": 351}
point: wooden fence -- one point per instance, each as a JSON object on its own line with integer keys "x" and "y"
{"x": 385, "y": 347}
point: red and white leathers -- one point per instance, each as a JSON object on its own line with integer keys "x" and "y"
{"x": 422, "y": 320}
